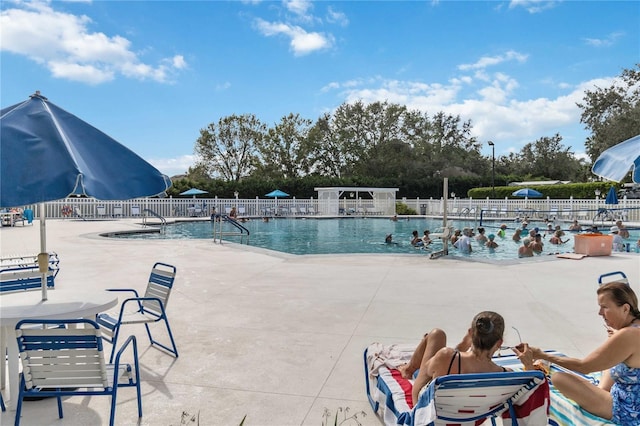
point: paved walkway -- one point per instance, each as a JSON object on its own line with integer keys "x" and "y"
{"x": 279, "y": 338}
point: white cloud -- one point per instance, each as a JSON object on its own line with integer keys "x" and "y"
{"x": 301, "y": 41}
{"x": 337, "y": 17}
{"x": 492, "y": 105}
{"x": 174, "y": 166}
{"x": 223, "y": 86}
{"x": 64, "y": 44}
{"x": 299, "y": 7}
{"x": 533, "y": 6}
{"x": 488, "y": 61}
{"x": 609, "y": 40}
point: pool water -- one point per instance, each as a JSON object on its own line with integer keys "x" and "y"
{"x": 357, "y": 235}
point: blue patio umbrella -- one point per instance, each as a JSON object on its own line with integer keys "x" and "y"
{"x": 615, "y": 162}
{"x": 277, "y": 194}
{"x": 49, "y": 154}
{"x": 527, "y": 192}
{"x": 612, "y": 197}
{"x": 194, "y": 192}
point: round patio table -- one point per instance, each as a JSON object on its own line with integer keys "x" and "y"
{"x": 61, "y": 304}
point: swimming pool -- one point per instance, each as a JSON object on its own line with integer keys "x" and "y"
{"x": 355, "y": 235}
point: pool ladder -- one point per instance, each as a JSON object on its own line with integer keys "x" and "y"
{"x": 218, "y": 232}
{"x": 163, "y": 221}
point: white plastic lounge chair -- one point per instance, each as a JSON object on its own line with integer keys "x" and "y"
{"x": 135, "y": 210}
{"x": 567, "y": 213}
{"x": 101, "y": 211}
{"x": 117, "y": 211}
{"x": 241, "y": 211}
{"x": 312, "y": 210}
{"x": 494, "y": 212}
{"x": 503, "y": 212}
{"x": 553, "y": 212}
{"x": 70, "y": 361}
{"x": 454, "y": 399}
{"x": 303, "y": 210}
{"x": 143, "y": 310}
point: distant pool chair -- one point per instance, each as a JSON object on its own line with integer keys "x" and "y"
{"x": 143, "y": 310}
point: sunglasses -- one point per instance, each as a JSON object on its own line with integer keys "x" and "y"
{"x": 504, "y": 348}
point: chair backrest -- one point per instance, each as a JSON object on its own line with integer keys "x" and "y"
{"x": 61, "y": 357}
{"x": 159, "y": 286}
{"x": 468, "y": 397}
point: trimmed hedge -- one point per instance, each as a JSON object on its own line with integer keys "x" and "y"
{"x": 560, "y": 191}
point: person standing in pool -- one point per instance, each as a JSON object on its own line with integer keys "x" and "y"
{"x": 517, "y": 235}
{"x": 525, "y": 249}
{"x": 481, "y": 238}
{"x": 491, "y": 243}
{"x": 502, "y": 232}
{"x": 416, "y": 241}
{"x": 464, "y": 242}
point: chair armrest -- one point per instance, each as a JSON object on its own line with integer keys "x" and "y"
{"x": 139, "y": 300}
{"x": 124, "y": 290}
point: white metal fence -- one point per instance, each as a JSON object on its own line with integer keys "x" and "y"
{"x": 582, "y": 209}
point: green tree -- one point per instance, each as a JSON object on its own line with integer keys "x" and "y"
{"x": 283, "y": 152}
{"x": 228, "y": 149}
{"x": 612, "y": 114}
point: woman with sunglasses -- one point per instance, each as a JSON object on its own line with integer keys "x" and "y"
{"x": 472, "y": 355}
{"x": 617, "y": 397}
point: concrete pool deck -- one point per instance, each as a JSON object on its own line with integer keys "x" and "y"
{"x": 279, "y": 338}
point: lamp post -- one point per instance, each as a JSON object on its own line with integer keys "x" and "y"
{"x": 493, "y": 169}
{"x": 597, "y": 192}
{"x": 235, "y": 194}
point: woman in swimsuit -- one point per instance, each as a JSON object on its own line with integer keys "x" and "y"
{"x": 617, "y": 397}
{"x": 472, "y": 355}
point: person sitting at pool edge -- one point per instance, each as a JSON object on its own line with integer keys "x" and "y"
{"x": 617, "y": 397}
{"x": 472, "y": 355}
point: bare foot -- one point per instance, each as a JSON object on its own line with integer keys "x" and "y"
{"x": 406, "y": 372}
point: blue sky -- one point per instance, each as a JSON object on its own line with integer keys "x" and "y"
{"x": 152, "y": 74}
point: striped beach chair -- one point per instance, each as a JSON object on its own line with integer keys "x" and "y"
{"x": 459, "y": 399}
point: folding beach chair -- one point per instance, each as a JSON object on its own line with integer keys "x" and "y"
{"x": 458, "y": 399}
{"x": 143, "y": 310}
{"x": 70, "y": 361}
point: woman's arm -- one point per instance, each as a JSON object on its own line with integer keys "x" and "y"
{"x": 614, "y": 350}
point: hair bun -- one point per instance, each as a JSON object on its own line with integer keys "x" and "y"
{"x": 484, "y": 325}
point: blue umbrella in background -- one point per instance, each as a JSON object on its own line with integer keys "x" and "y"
{"x": 276, "y": 194}
{"x": 194, "y": 192}
{"x": 48, "y": 153}
{"x": 527, "y": 192}
{"x": 612, "y": 197}
{"x": 615, "y": 162}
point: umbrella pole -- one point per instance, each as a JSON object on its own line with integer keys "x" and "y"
{"x": 43, "y": 257}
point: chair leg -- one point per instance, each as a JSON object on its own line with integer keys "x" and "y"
{"x": 114, "y": 341}
{"x": 60, "y": 415}
{"x": 2, "y": 406}
{"x": 173, "y": 350}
